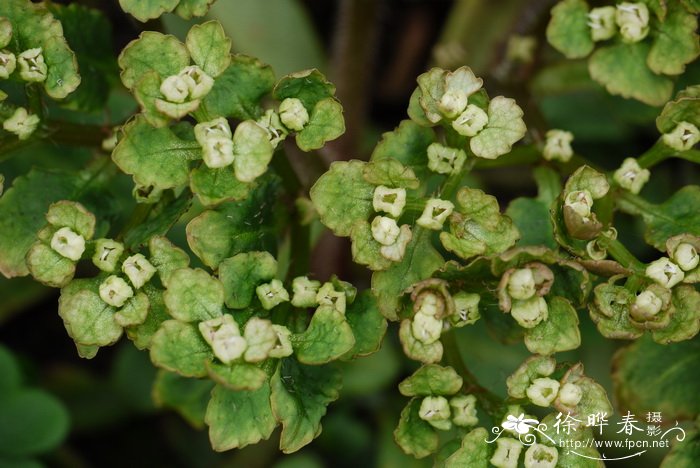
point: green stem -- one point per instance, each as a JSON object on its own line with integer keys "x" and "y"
{"x": 453, "y": 182}
{"x": 654, "y": 155}
{"x": 623, "y": 256}
{"x": 636, "y": 205}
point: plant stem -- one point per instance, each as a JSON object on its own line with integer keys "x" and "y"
{"x": 654, "y": 155}
{"x": 623, "y": 256}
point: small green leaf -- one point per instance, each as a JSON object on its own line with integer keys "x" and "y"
{"x": 300, "y": 396}
{"x": 390, "y": 173}
{"x": 685, "y": 108}
{"x": 328, "y": 337}
{"x": 326, "y": 123}
{"x": 474, "y": 451}
{"x": 179, "y": 347}
{"x": 652, "y": 377}
{"x": 414, "y": 435}
{"x": 73, "y": 215}
{"x": 417, "y": 350}
{"x": 189, "y": 397}
{"x": 431, "y": 379}
{"x": 368, "y": 325}
{"x": 209, "y": 47}
{"x": 408, "y": 144}
{"x": 568, "y": 30}
{"x": 144, "y": 10}
{"x": 188, "y": 9}
{"x": 193, "y": 295}
{"x": 240, "y": 376}
{"x": 622, "y": 69}
{"x": 146, "y": 91}
{"x": 309, "y": 86}
{"x": 49, "y": 267}
{"x": 161, "y": 53}
{"x": 154, "y": 156}
{"x": 134, "y": 312}
{"x": 166, "y": 257}
{"x": 252, "y": 150}
{"x": 365, "y": 249}
{"x": 676, "y": 42}
{"x": 242, "y": 273}
{"x": 142, "y": 334}
{"x": 239, "y": 418}
{"x": 214, "y": 186}
{"x": 88, "y": 320}
{"x": 558, "y": 333}
{"x": 238, "y": 91}
{"x": 685, "y": 319}
{"x": 342, "y": 196}
{"x": 161, "y": 219}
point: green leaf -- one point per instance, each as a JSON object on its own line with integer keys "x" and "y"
{"x": 328, "y": 337}
{"x": 676, "y": 42}
{"x": 239, "y": 418}
{"x": 408, "y": 144}
{"x": 32, "y": 422}
{"x": 193, "y": 295}
{"x": 300, "y": 395}
{"x": 88, "y": 320}
{"x": 622, "y": 69}
{"x": 190, "y": 8}
{"x": 238, "y": 91}
{"x": 474, "y": 451}
{"x": 179, "y": 347}
{"x": 609, "y": 310}
{"x": 326, "y": 123}
{"x": 166, "y": 257}
{"x": 365, "y": 248}
{"x": 209, "y": 47}
{"x": 368, "y": 325}
{"x": 558, "y": 333}
{"x": 238, "y": 227}
{"x": 531, "y": 218}
{"x": 48, "y": 266}
{"x": 252, "y": 150}
{"x": 134, "y": 312}
{"x": 161, "y": 218}
{"x": 146, "y": 90}
{"x": 154, "y": 156}
{"x": 685, "y": 319}
{"x": 414, "y": 435}
{"x": 505, "y": 127}
{"x": 189, "y": 397}
{"x": 242, "y": 273}
{"x": 477, "y": 227}
{"x": 692, "y": 6}
{"x": 342, "y": 196}
{"x": 568, "y": 30}
{"x": 161, "y": 53}
{"x": 652, "y": 377}
{"x": 419, "y": 262}
{"x": 22, "y": 209}
{"x": 214, "y": 186}
{"x": 34, "y": 26}
{"x": 240, "y": 376}
{"x": 144, "y": 10}
{"x": 142, "y": 334}
{"x": 684, "y": 454}
{"x": 431, "y": 379}
{"x": 390, "y": 173}
{"x": 594, "y": 399}
{"x": 10, "y": 371}
{"x": 309, "y": 86}
{"x": 685, "y": 108}
{"x": 73, "y": 215}
{"x": 534, "y": 367}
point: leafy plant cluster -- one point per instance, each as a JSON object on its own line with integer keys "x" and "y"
{"x": 231, "y": 314}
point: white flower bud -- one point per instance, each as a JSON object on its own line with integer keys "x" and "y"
{"x": 665, "y": 272}
{"x": 541, "y": 456}
{"x": 452, "y": 103}
{"x": 272, "y": 124}
{"x": 445, "y": 160}
{"x": 464, "y": 410}
{"x": 218, "y": 152}
{"x": 542, "y": 391}
{"x": 327, "y": 295}
{"x": 686, "y": 256}
{"x": 580, "y": 201}
{"x": 214, "y": 129}
{"x": 272, "y": 294}
{"x": 389, "y": 200}
{"x": 558, "y": 145}
{"x": 429, "y": 303}
{"x": 570, "y": 394}
{"x": 683, "y": 137}
{"x": 224, "y": 337}
{"x": 107, "y": 253}
{"x": 304, "y": 292}
{"x": 138, "y": 269}
{"x": 529, "y": 313}
{"x": 32, "y": 66}
{"x": 261, "y": 338}
{"x": 283, "y": 346}
{"x": 630, "y": 176}
{"x": 385, "y": 230}
{"x": 646, "y": 305}
{"x": 426, "y": 328}
{"x": 595, "y": 251}
{"x": 175, "y": 89}
{"x": 602, "y": 23}
{"x": 21, "y": 123}
{"x": 396, "y": 251}
{"x": 507, "y": 453}
{"x": 466, "y": 309}
{"x": 471, "y": 121}
{"x": 115, "y": 291}
{"x": 198, "y": 83}
{"x": 8, "y": 63}
{"x": 436, "y": 411}
{"x": 521, "y": 284}
{"x": 435, "y": 213}
{"x": 68, "y": 243}
{"x": 633, "y": 20}
{"x": 293, "y": 114}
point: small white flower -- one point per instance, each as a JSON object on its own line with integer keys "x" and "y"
{"x": 327, "y": 295}
{"x": 570, "y": 394}
{"x": 107, "y": 253}
{"x": 580, "y": 201}
{"x": 507, "y": 453}
{"x": 21, "y": 123}
{"x": 646, "y": 304}
{"x": 385, "y": 230}
{"x": 521, "y": 284}
{"x": 224, "y": 337}
{"x": 272, "y": 294}
{"x": 665, "y": 272}
{"x": 541, "y": 456}
{"x": 304, "y": 292}
{"x": 218, "y": 152}
{"x": 686, "y": 256}
{"x": 445, "y": 160}
{"x": 389, "y": 200}
{"x": 32, "y": 66}
{"x": 464, "y": 410}
{"x": 435, "y": 213}
{"x": 426, "y": 328}
{"x": 214, "y": 129}
{"x": 602, "y": 23}
{"x": 68, "y": 243}
{"x": 633, "y": 20}
{"x": 558, "y": 145}
{"x": 261, "y": 338}
{"x": 115, "y": 291}
{"x": 396, "y": 251}
{"x": 542, "y": 391}
{"x": 436, "y": 411}
{"x": 8, "y": 63}
{"x": 175, "y": 89}
{"x": 683, "y": 137}
{"x": 138, "y": 269}
{"x": 530, "y": 312}
{"x": 198, "y": 83}
{"x": 630, "y": 176}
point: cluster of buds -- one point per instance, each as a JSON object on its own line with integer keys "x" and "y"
{"x": 261, "y": 339}
{"x": 114, "y": 290}
{"x": 521, "y": 293}
{"x": 385, "y": 229}
{"x": 182, "y": 92}
{"x": 441, "y": 413}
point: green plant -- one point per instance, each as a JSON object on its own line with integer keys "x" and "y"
{"x": 230, "y": 315}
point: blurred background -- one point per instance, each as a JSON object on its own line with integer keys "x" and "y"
{"x": 100, "y": 413}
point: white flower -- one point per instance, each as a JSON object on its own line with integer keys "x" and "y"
{"x": 8, "y": 63}
{"x": 385, "y": 230}
{"x": 396, "y": 251}
{"x": 683, "y": 137}
{"x": 558, "y": 145}
{"x": 435, "y": 213}
{"x": 445, "y": 160}
{"x": 471, "y": 121}
{"x": 665, "y": 272}
{"x": 389, "y": 200}
{"x": 138, "y": 269}
{"x": 633, "y": 20}
{"x": 175, "y": 89}
{"x": 570, "y": 394}
{"x": 530, "y": 312}
{"x": 68, "y": 243}
{"x": 436, "y": 411}
{"x": 580, "y": 201}
{"x": 630, "y": 176}
{"x": 218, "y": 152}
{"x": 464, "y": 410}
{"x": 426, "y": 328}
{"x": 224, "y": 337}
{"x": 304, "y": 292}
{"x": 686, "y": 256}
{"x": 646, "y": 304}
{"x": 542, "y": 391}
{"x": 107, "y": 253}
{"x": 521, "y": 284}
{"x": 21, "y": 123}
{"x": 115, "y": 291}
{"x": 198, "y": 83}
{"x": 293, "y": 114}
{"x": 602, "y": 23}
{"x": 261, "y": 339}
{"x": 507, "y": 453}
{"x": 327, "y": 295}
{"x": 272, "y": 294}
{"x": 32, "y": 66}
